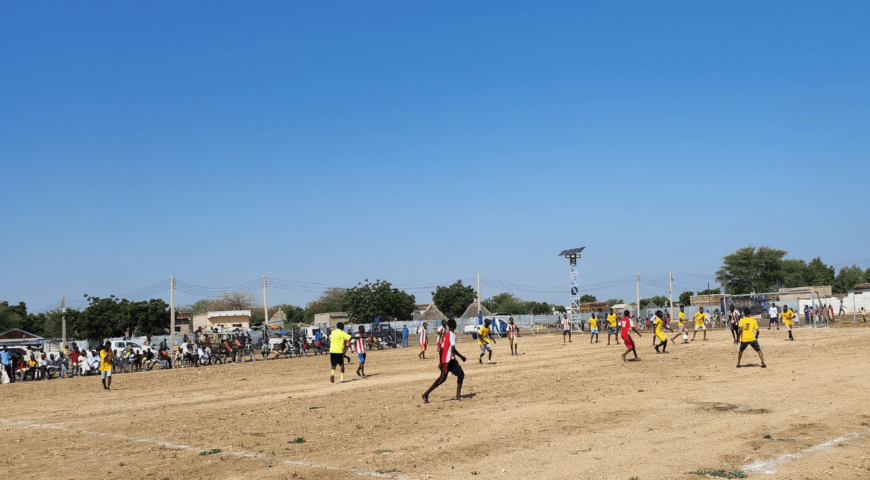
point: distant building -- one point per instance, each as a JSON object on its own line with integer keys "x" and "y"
{"x": 324, "y": 320}
{"x": 224, "y": 319}
{"x": 17, "y": 337}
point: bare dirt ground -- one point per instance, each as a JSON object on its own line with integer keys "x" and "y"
{"x": 556, "y": 411}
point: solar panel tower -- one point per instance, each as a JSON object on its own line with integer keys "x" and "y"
{"x": 572, "y": 254}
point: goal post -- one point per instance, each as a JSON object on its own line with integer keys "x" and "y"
{"x": 807, "y": 305}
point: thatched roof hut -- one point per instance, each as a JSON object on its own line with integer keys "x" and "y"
{"x": 432, "y": 313}
{"x": 472, "y": 311}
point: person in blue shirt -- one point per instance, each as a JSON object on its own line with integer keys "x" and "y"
{"x": 807, "y": 314}
{"x": 377, "y": 321}
{"x": 6, "y": 363}
{"x": 404, "y": 335}
{"x": 479, "y": 318}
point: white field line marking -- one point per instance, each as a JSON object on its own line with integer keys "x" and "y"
{"x": 188, "y": 447}
{"x": 766, "y": 466}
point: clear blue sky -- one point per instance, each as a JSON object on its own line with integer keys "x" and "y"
{"x": 422, "y": 143}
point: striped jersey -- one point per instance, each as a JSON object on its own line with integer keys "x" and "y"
{"x": 447, "y": 347}
{"x": 424, "y": 340}
{"x": 512, "y": 330}
{"x": 359, "y": 345}
{"x": 440, "y": 335}
{"x": 566, "y": 324}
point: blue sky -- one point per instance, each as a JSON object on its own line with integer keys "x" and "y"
{"x": 335, "y": 142}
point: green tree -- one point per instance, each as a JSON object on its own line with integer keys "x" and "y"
{"x": 710, "y": 291}
{"x": 295, "y": 315}
{"x": 453, "y": 300}
{"x": 504, "y": 302}
{"x": 686, "y": 298}
{"x": 614, "y": 301}
{"x": 588, "y": 298}
{"x": 200, "y": 306}
{"x": 659, "y": 300}
{"x": 818, "y": 274}
{"x": 847, "y": 279}
{"x": 794, "y": 273}
{"x": 9, "y": 317}
{"x": 379, "y": 299}
{"x": 328, "y": 302}
{"x": 751, "y": 270}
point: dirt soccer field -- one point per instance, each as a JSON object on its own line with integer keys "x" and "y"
{"x": 556, "y": 411}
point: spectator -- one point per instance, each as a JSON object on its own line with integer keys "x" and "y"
{"x": 6, "y": 363}
{"x": 404, "y": 335}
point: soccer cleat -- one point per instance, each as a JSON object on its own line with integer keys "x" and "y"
{"x": 358, "y": 374}
{"x": 425, "y": 398}
{"x": 332, "y": 378}
{"x": 489, "y": 362}
{"x": 763, "y": 365}
{"x": 738, "y": 365}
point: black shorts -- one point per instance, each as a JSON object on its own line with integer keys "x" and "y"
{"x": 450, "y": 367}
{"x": 735, "y": 327}
{"x": 753, "y": 344}
{"x": 336, "y": 358}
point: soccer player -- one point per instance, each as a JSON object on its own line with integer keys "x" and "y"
{"x": 863, "y": 315}
{"x": 424, "y": 340}
{"x": 512, "y": 336}
{"x": 593, "y": 328}
{"x": 359, "y": 344}
{"x": 611, "y": 327}
{"x": 659, "y": 324}
{"x": 566, "y": 328}
{"x": 734, "y": 320}
{"x": 447, "y": 362}
{"x": 485, "y": 341}
{"x": 774, "y": 316}
{"x": 787, "y": 317}
{"x": 338, "y": 341}
{"x": 107, "y": 356}
{"x": 626, "y": 337}
{"x": 700, "y": 320}
{"x": 681, "y": 323}
{"x": 749, "y": 337}
{"x": 441, "y": 330}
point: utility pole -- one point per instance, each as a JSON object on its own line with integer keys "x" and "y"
{"x": 171, "y": 312}
{"x": 854, "y": 309}
{"x": 63, "y": 321}
{"x": 671, "y": 288}
{"x": 638, "y": 299}
{"x": 265, "y": 305}
{"x": 478, "y": 293}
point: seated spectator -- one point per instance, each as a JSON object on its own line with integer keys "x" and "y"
{"x": 93, "y": 360}
{"x": 74, "y": 363}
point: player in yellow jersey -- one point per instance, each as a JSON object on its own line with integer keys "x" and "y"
{"x": 485, "y": 341}
{"x": 681, "y": 322}
{"x": 700, "y": 323}
{"x": 611, "y": 327}
{"x": 659, "y": 325}
{"x": 787, "y": 316}
{"x": 593, "y": 328}
{"x": 749, "y": 337}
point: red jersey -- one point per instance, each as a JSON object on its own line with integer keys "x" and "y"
{"x": 447, "y": 347}
{"x": 359, "y": 345}
{"x": 626, "y": 326}
{"x": 512, "y": 330}
{"x": 440, "y": 336}
{"x": 424, "y": 340}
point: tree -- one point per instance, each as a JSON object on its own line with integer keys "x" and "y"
{"x": 794, "y": 273}
{"x": 588, "y": 298}
{"x": 710, "y": 291}
{"x": 200, "y": 306}
{"x": 369, "y": 300}
{"x": 818, "y": 274}
{"x": 295, "y": 315}
{"x": 659, "y": 300}
{"x": 751, "y": 270}
{"x": 328, "y": 302}
{"x": 453, "y": 300}
{"x": 847, "y": 279}
{"x": 9, "y": 317}
{"x": 508, "y": 303}
{"x": 235, "y": 301}
{"x": 614, "y": 301}
{"x": 686, "y": 298}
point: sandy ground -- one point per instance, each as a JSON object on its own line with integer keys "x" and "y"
{"x": 556, "y": 411}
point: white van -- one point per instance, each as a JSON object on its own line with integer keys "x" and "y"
{"x": 121, "y": 345}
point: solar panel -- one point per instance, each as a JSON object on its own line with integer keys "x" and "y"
{"x": 571, "y": 251}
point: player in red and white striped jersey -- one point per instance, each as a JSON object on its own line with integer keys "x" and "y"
{"x": 441, "y": 330}
{"x": 447, "y": 362}
{"x": 359, "y": 345}
{"x": 512, "y": 335}
{"x": 424, "y": 340}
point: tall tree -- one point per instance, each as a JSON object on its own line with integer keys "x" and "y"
{"x": 847, "y": 279}
{"x": 235, "y": 301}
{"x": 659, "y": 300}
{"x": 369, "y": 300}
{"x": 588, "y": 298}
{"x": 453, "y": 300}
{"x": 686, "y": 298}
{"x": 818, "y": 274}
{"x": 751, "y": 270}
{"x": 9, "y": 317}
{"x": 794, "y": 273}
{"x": 328, "y": 302}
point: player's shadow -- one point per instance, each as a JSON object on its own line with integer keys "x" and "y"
{"x": 749, "y": 365}
{"x": 371, "y": 374}
{"x": 467, "y": 396}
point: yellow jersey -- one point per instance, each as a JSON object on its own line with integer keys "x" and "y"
{"x": 483, "y": 336}
{"x": 681, "y": 319}
{"x": 748, "y": 326}
{"x": 593, "y": 322}
{"x": 659, "y": 324}
{"x": 106, "y": 361}
{"x": 611, "y": 320}
{"x": 336, "y": 341}
{"x": 787, "y": 316}
{"x": 699, "y": 319}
